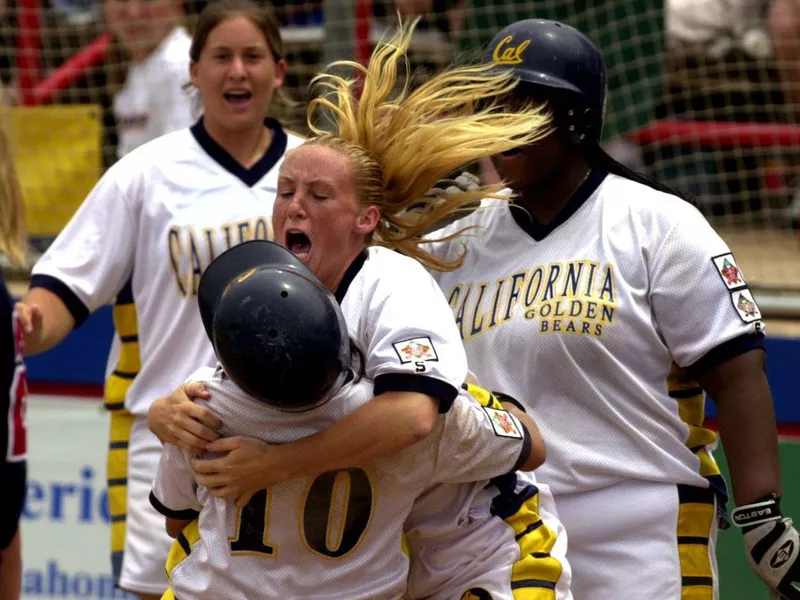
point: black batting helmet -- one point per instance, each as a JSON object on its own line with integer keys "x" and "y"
{"x": 556, "y": 62}
{"x": 277, "y": 331}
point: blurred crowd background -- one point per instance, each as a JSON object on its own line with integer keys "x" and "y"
{"x": 704, "y": 94}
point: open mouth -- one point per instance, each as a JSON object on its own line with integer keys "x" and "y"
{"x": 298, "y": 244}
{"x": 238, "y": 99}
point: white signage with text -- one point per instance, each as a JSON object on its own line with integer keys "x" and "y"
{"x": 65, "y": 522}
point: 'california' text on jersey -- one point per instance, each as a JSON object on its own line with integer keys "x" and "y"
{"x": 191, "y": 251}
{"x": 143, "y": 238}
{"x": 600, "y": 324}
{"x": 569, "y": 297}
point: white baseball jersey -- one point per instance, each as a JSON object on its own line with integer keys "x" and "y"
{"x": 704, "y": 21}
{"x": 596, "y": 323}
{"x": 505, "y": 536}
{"x": 144, "y": 236}
{"x": 152, "y": 101}
{"x": 335, "y": 536}
{"x": 399, "y": 318}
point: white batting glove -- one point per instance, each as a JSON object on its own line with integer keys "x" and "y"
{"x": 465, "y": 182}
{"x": 772, "y": 544}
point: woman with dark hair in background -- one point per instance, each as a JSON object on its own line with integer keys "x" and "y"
{"x": 142, "y": 239}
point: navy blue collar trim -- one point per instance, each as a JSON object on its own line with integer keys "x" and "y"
{"x": 349, "y": 276}
{"x": 254, "y": 174}
{"x": 538, "y": 231}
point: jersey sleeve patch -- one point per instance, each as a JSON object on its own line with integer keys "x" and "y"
{"x": 415, "y": 350}
{"x": 729, "y": 271}
{"x": 741, "y": 296}
{"x": 503, "y": 424}
{"x": 745, "y": 305}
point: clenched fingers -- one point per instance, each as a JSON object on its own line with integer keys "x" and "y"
{"x": 185, "y": 440}
{"x": 209, "y": 465}
{"x": 214, "y": 480}
{"x": 205, "y": 418}
{"x": 188, "y": 391}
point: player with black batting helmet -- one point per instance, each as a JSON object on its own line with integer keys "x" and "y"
{"x": 556, "y": 62}
{"x": 285, "y": 373}
{"x": 608, "y": 303}
{"x": 276, "y": 331}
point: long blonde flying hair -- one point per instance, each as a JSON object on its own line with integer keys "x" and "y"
{"x": 403, "y": 142}
{"x": 13, "y": 236}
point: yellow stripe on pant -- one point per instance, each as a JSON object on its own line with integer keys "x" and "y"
{"x": 129, "y": 360}
{"x": 182, "y": 546}
{"x": 179, "y": 551}
{"x": 535, "y": 574}
{"x": 483, "y": 397}
{"x": 117, "y": 474}
{"x": 696, "y": 514}
{"x": 690, "y": 399}
{"x": 116, "y": 389}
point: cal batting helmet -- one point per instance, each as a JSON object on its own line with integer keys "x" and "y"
{"x": 277, "y": 331}
{"x": 556, "y": 62}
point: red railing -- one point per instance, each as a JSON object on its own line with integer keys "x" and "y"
{"x": 71, "y": 70}
{"x": 29, "y": 58}
{"x": 711, "y": 133}
{"x": 34, "y": 92}
{"x": 29, "y": 48}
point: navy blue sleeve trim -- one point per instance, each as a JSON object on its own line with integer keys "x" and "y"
{"x": 76, "y": 307}
{"x": 526, "y": 448}
{"x": 726, "y": 351}
{"x": 409, "y": 382}
{"x": 186, "y": 514}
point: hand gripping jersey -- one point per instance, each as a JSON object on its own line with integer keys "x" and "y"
{"x": 335, "y": 536}
{"x": 399, "y": 318}
{"x": 598, "y": 322}
{"x": 152, "y": 102}
{"x": 144, "y": 236}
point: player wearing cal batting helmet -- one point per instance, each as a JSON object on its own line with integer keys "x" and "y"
{"x": 609, "y": 305}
